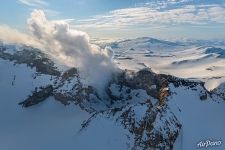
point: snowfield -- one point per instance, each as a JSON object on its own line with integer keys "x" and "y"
{"x": 183, "y": 60}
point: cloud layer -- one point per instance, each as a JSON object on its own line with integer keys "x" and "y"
{"x": 39, "y": 4}
{"x": 162, "y": 14}
{"x": 34, "y": 3}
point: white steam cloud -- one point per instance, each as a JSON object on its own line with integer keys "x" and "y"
{"x": 11, "y": 35}
{"x": 73, "y": 48}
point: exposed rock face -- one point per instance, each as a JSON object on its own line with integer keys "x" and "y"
{"x": 220, "y": 91}
{"x": 155, "y": 85}
{"x": 32, "y": 57}
{"x": 145, "y": 79}
{"x": 38, "y": 96}
{"x": 150, "y": 127}
{"x": 69, "y": 89}
{"x": 73, "y": 72}
{"x": 203, "y": 95}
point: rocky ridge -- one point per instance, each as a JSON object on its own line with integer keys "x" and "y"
{"x": 136, "y": 100}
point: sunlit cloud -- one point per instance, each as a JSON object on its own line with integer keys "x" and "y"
{"x": 188, "y": 14}
{"x": 11, "y": 35}
{"x": 34, "y": 3}
{"x": 40, "y": 4}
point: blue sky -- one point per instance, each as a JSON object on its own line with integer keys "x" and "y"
{"x": 117, "y": 19}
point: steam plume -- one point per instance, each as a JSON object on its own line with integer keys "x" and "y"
{"x": 73, "y": 48}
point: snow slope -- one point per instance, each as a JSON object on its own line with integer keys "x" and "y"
{"x": 201, "y": 120}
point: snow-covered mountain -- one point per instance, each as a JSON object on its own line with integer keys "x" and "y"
{"x": 44, "y": 107}
{"x": 205, "y": 63}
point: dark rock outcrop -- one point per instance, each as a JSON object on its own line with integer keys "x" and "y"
{"x": 33, "y": 58}
{"x": 150, "y": 127}
{"x": 38, "y": 96}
